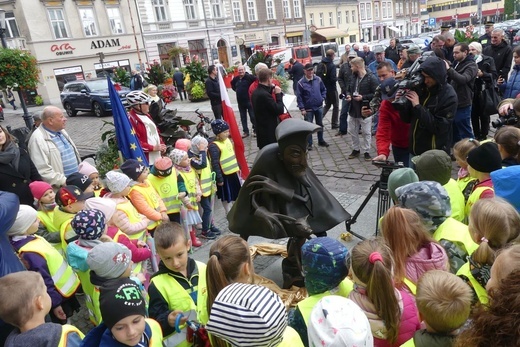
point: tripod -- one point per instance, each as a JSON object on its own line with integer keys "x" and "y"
{"x": 383, "y": 198}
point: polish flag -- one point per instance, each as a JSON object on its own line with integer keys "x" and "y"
{"x": 229, "y": 117}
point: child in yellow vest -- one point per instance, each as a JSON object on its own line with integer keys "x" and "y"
{"x": 92, "y": 173}
{"x": 143, "y": 195}
{"x": 38, "y": 255}
{"x": 179, "y": 287}
{"x": 444, "y": 303}
{"x": 45, "y": 204}
{"x": 224, "y": 164}
{"x": 188, "y": 180}
{"x": 493, "y": 224}
{"x": 25, "y": 305}
{"x": 126, "y": 217}
{"x": 70, "y": 200}
{"x": 123, "y": 309}
{"x": 460, "y": 152}
{"x": 251, "y": 315}
{"x": 481, "y": 162}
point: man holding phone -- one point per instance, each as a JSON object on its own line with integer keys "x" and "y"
{"x": 363, "y": 85}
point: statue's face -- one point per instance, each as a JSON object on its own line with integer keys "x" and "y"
{"x": 295, "y": 160}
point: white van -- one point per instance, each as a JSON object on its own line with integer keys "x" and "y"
{"x": 318, "y": 52}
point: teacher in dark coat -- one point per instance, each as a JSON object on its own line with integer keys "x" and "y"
{"x": 16, "y": 169}
{"x": 266, "y": 108}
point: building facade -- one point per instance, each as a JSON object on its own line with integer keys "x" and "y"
{"x": 333, "y": 21}
{"x": 203, "y": 27}
{"x": 464, "y": 12}
{"x": 67, "y": 37}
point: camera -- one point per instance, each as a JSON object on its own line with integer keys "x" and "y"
{"x": 411, "y": 81}
{"x": 342, "y": 96}
{"x": 386, "y": 169}
{"x": 509, "y": 119}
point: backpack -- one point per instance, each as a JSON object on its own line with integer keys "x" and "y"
{"x": 321, "y": 70}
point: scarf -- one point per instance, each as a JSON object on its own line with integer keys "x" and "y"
{"x": 48, "y": 207}
{"x": 185, "y": 169}
{"x": 478, "y": 58}
{"x": 10, "y": 155}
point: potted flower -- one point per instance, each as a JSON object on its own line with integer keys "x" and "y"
{"x": 196, "y": 76}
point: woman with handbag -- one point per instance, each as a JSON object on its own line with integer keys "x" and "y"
{"x": 485, "y": 96}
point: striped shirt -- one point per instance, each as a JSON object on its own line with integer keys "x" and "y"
{"x": 68, "y": 155}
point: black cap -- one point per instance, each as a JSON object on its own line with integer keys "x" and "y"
{"x": 308, "y": 66}
{"x": 489, "y": 23}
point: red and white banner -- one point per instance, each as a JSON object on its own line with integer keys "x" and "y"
{"x": 229, "y": 117}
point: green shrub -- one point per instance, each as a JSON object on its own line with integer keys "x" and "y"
{"x": 198, "y": 90}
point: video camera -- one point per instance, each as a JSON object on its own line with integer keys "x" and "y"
{"x": 387, "y": 167}
{"x": 509, "y": 119}
{"x": 411, "y": 81}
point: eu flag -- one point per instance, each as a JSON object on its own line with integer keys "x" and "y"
{"x": 127, "y": 141}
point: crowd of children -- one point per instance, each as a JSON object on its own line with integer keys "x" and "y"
{"x": 444, "y": 272}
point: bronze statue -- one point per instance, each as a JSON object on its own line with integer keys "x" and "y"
{"x": 282, "y": 197}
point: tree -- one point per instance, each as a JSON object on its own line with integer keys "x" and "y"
{"x": 18, "y": 69}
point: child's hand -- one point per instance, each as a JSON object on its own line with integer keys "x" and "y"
{"x": 141, "y": 244}
{"x": 173, "y": 316}
{"x": 220, "y": 184}
{"x": 181, "y": 195}
{"x": 58, "y": 312}
{"x": 202, "y": 146}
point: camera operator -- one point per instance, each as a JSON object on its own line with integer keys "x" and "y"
{"x": 486, "y": 76}
{"x": 508, "y": 113}
{"x": 462, "y": 77}
{"x": 431, "y": 109}
{"x": 362, "y": 88}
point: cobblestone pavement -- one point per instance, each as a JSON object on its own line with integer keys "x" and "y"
{"x": 349, "y": 180}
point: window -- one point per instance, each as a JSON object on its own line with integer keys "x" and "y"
{"x": 160, "y": 10}
{"x": 269, "y": 5}
{"x": 58, "y": 23}
{"x": 251, "y": 10}
{"x": 311, "y": 18}
{"x": 321, "y": 19}
{"x": 331, "y": 21}
{"x": 376, "y": 10}
{"x": 215, "y": 6}
{"x": 297, "y": 9}
{"x": 189, "y": 7}
{"x": 339, "y": 17}
{"x": 407, "y": 8}
{"x": 362, "y": 11}
{"x": 87, "y": 21}
{"x": 237, "y": 12}
{"x": 389, "y": 6}
{"x": 286, "y": 9}
{"x": 384, "y": 9}
{"x": 369, "y": 11}
{"x": 353, "y": 16}
{"x": 347, "y": 19}
{"x": 10, "y": 25}
{"x": 114, "y": 19}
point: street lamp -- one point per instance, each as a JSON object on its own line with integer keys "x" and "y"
{"x": 26, "y": 117}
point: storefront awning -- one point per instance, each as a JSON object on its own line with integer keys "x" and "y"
{"x": 294, "y": 34}
{"x": 394, "y": 29}
{"x": 330, "y": 33}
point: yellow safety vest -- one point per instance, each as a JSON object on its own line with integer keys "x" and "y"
{"x": 473, "y": 199}
{"x": 205, "y": 180}
{"x": 152, "y": 198}
{"x": 47, "y": 220}
{"x": 228, "y": 161}
{"x": 306, "y": 305}
{"x": 479, "y": 290}
{"x": 168, "y": 190}
{"x": 133, "y": 216}
{"x": 409, "y": 343}
{"x": 456, "y": 200}
{"x": 66, "y": 330}
{"x": 91, "y": 297}
{"x": 191, "y": 181}
{"x": 157, "y": 336}
{"x": 410, "y": 285}
{"x": 291, "y": 338}
{"x": 463, "y": 182}
{"x": 455, "y": 231}
{"x": 179, "y": 299}
{"x": 64, "y": 278}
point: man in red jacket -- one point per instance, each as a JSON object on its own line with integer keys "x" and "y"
{"x": 391, "y": 129}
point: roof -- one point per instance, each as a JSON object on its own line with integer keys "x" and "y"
{"x": 330, "y": 33}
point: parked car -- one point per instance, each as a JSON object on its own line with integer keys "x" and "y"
{"x": 319, "y": 50}
{"x": 89, "y": 96}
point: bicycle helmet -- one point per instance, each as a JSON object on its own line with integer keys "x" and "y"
{"x": 137, "y": 97}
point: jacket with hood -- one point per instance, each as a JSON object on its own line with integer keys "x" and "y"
{"x": 331, "y": 76}
{"x": 431, "y": 120}
{"x": 511, "y": 88}
{"x": 430, "y": 256}
{"x": 502, "y": 55}
{"x": 505, "y": 184}
{"x": 462, "y": 77}
{"x": 45, "y": 335}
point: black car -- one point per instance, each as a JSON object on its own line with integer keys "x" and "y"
{"x": 91, "y": 95}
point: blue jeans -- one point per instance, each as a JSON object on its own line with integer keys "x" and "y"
{"x": 343, "y": 116}
{"x": 205, "y": 203}
{"x": 243, "y": 108}
{"x": 462, "y": 125}
{"x": 318, "y": 116}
